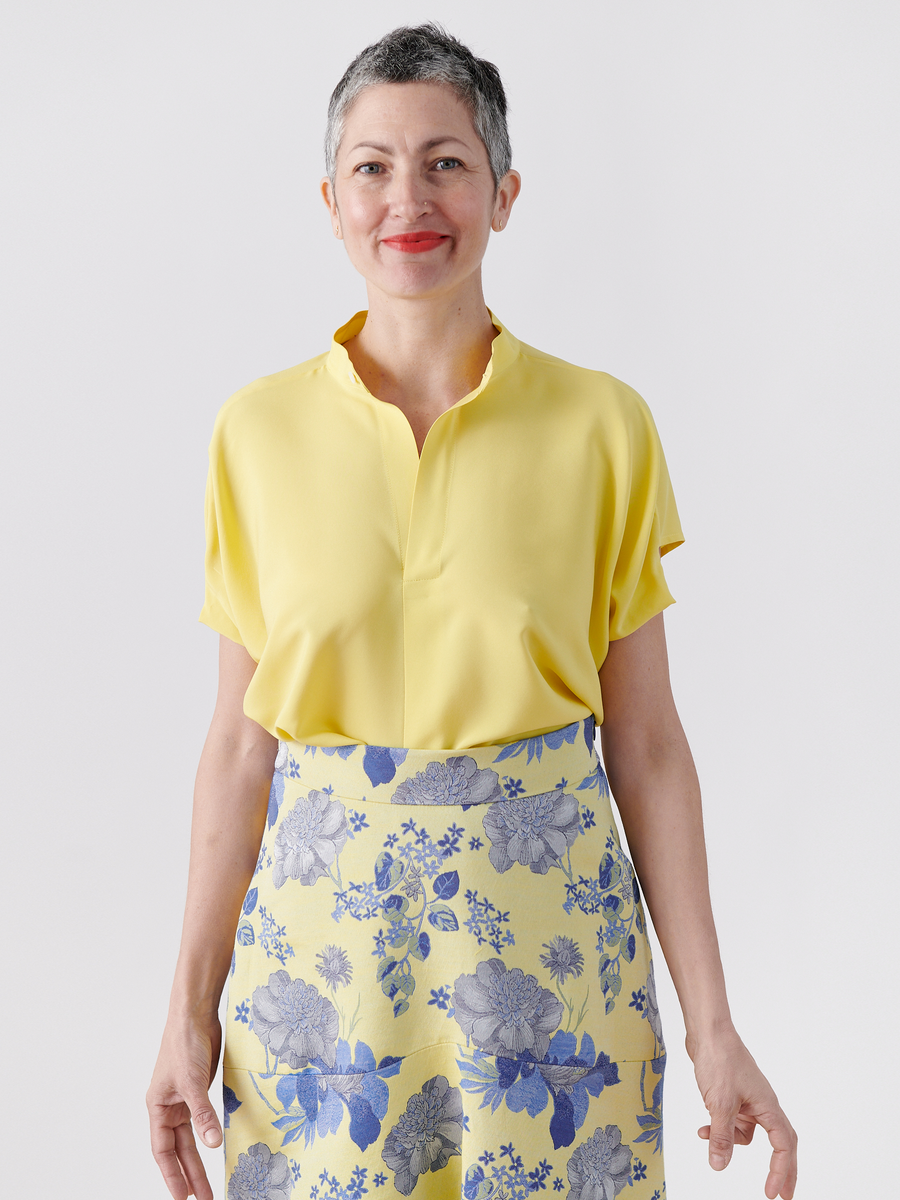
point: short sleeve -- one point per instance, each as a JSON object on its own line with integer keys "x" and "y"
{"x": 217, "y": 612}
{"x": 650, "y": 527}
{"x": 232, "y": 603}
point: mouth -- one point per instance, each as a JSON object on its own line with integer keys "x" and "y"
{"x": 416, "y": 243}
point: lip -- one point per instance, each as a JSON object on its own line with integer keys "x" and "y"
{"x": 418, "y": 242}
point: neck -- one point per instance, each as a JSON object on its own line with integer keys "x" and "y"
{"x": 432, "y": 348}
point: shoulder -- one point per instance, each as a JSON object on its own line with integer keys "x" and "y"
{"x": 596, "y": 397}
{"x": 263, "y": 405}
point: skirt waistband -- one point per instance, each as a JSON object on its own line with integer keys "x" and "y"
{"x": 562, "y": 758}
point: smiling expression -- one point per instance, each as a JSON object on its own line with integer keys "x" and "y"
{"x": 414, "y": 198}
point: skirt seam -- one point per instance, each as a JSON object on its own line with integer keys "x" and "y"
{"x": 388, "y": 802}
{"x": 400, "y": 1059}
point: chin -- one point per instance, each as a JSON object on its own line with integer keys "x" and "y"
{"x": 410, "y": 285}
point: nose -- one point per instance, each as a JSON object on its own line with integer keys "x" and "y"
{"x": 409, "y": 195}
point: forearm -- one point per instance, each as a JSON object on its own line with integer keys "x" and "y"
{"x": 655, "y": 786}
{"x": 230, "y": 801}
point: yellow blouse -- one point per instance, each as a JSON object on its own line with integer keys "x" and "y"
{"x": 459, "y": 600}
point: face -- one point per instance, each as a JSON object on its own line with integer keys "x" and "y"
{"x": 414, "y": 199}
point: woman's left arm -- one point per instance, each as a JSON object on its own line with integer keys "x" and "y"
{"x": 654, "y": 782}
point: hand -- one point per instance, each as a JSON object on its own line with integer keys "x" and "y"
{"x": 178, "y": 1093}
{"x": 738, "y": 1097}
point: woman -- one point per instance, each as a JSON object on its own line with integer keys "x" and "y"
{"x": 433, "y": 559}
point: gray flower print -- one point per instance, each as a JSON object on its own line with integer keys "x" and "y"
{"x": 294, "y": 1021}
{"x": 427, "y": 1136}
{"x": 506, "y": 1012}
{"x": 653, "y": 1017}
{"x": 412, "y": 884}
{"x": 281, "y": 758}
{"x": 563, "y": 958}
{"x": 535, "y": 831}
{"x": 456, "y": 781}
{"x": 260, "y": 1173}
{"x": 335, "y": 967}
{"x": 309, "y": 839}
{"x": 563, "y": 1077}
{"x": 600, "y": 1167}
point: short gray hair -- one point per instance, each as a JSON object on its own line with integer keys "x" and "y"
{"x": 426, "y": 54}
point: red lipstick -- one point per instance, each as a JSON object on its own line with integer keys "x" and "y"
{"x": 416, "y": 243}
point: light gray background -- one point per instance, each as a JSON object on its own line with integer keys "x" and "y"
{"x": 710, "y": 213}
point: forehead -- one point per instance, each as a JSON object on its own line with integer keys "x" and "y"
{"x": 411, "y": 112}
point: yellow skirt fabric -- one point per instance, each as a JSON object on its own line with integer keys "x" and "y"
{"x": 442, "y": 983}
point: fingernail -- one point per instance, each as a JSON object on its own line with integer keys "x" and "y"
{"x": 718, "y": 1161}
{"x": 209, "y": 1137}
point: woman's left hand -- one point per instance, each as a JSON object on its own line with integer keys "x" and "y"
{"x": 738, "y": 1097}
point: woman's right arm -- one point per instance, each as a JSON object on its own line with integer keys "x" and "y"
{"x": 230, "y": 803}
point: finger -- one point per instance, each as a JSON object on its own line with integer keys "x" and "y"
{"x": 787, "y": 1191}
{"x": 162, "y": 1142}
{"x": 782, "y": 1178}
{"x": 744, "y": 1128}
{"x": 192, "y": 1164}
{"x": 204, "y": 1117}
{"x": 721, "y": 1137}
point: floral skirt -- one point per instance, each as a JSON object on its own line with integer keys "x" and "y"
{"x": 442, "y": 982}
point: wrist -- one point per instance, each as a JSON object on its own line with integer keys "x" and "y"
{"x": 715, "y": 1032}
{"x": 198, "y": 985}
{"x": 187, "y": 1008}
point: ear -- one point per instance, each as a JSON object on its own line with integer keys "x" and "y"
{"x": 327, "y": 192}
{"x": 510, "y": 186}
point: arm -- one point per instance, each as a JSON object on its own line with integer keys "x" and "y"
{"x": 652, "y": 776}
{"x": 230, "y": 800}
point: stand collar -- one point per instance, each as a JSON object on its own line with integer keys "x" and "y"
{"x": 504, "y": 351}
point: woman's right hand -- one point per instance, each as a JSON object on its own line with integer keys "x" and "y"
{"x": 179, "y": 1094}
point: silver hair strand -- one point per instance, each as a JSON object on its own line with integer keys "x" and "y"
{"x": 426, "y": 54}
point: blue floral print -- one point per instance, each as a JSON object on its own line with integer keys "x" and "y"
{"x": 427, "y": 1135}
{"x": 230, "y": 1103}
{"x": 613, "y": 896}
{"x": 272, "y": 937}
{"x": 535, "y": 831}
{"x": 292, "y": 1020}
{"x": 505, "y": 1177}
{"x": 276, "y": 796}
{"x": 566, "y": 1076}
{"x": 381, "y": 762}
{"x": 650, "y": 1120}
{"x": 314, "y": 1102}
{"x": 486, "y": 923}
{"x": 335, "y": 967}
{"x": 309, "y": 839}
{"x": 652, "y": 1013}
{"x": 506, "y": 1012}
{"x": 410, "y": 894}
{"x": 563, "y": 958}
{"x": 329, "y": 1187}
{"x": 601, "y": 1167}
{"x": 450, "y": 966}
{"x": 260, "y": 1173}
{"x": 456, "y": 781}
{"x": 535, "y": 746}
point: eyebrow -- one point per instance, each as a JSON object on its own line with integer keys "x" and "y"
{"x": 429, "y": 145}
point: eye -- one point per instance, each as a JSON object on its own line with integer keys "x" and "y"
{"x": 369, "y": 168}
{"x": 446, "y": 164}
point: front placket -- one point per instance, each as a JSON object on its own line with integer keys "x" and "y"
{"x": 420, "y": 488}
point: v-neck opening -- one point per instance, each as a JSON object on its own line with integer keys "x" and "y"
{"x": 418, "y": 481}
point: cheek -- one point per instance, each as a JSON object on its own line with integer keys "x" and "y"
{"x": 474, "y": 214}
{"x": 361, "y": 212}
